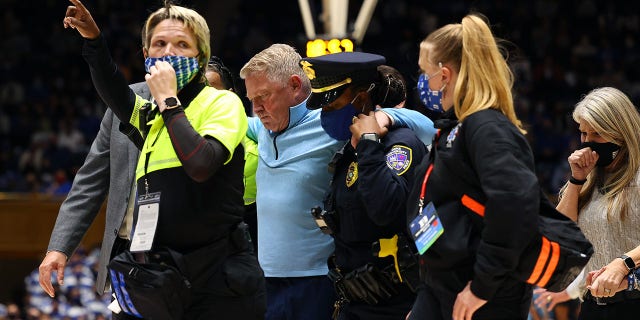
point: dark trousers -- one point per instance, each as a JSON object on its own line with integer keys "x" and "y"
{"x": 216, "y": 307}
{"x": 251, "y": 219}
{"x": 309, "y": 298}
{"x": 234, "y": 291}
{"x": 510, "y": 303}
{"x": 395, "y": 308}
{"x": 626, "y": 309}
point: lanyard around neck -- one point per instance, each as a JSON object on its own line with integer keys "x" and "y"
{"x": 147, "y": 155}
{"x": 424, "y": 187}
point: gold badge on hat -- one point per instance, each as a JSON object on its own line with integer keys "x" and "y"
{"x": 352, "y": 174}
{"x": 306, "y": 66}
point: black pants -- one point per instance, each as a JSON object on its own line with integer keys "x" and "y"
{"x": 251, "y": 219}
{"x": 235, "y": 289}
{"x": 511, "y": 303}
{"x": 233, "y": 292}
{"x": 626, "y": 309}
{"x": 396, "y": 308}
{"x": 293, "y": 298}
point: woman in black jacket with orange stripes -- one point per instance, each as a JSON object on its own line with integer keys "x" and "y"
{"x": 476, "y": 202}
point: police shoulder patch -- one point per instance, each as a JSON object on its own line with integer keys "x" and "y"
{"x": 399, "y": 159}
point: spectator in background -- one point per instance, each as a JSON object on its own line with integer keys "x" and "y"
{"x": 3, "y": 311}
{"x": 69, "y": 137}
{"x": 14, "y": 312}
{"x": 60, "y": 185}
{"x": 221, "y": 78}
{"x": 540, "y": 28}
{"x": 602, "y": 197}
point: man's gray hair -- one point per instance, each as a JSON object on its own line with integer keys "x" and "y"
{"x": 277, "y": 62}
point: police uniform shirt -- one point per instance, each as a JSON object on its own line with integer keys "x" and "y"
{"x": 371, "y": 185}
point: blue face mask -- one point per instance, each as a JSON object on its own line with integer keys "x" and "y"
{"x": 336, "y": 123}
{"x": 432, "y": 100}
{"x": 184, "y": 67}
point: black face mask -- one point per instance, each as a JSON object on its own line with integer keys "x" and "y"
{"x": 606, "y": 151}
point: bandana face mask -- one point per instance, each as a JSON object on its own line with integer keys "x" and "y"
{"x": 606, "y": 151}
{"x": 184, "y": 67}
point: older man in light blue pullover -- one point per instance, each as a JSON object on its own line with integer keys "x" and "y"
{"x": 292, "y": 177}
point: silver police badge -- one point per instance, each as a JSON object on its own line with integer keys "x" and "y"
{"x": 399, "y": 159}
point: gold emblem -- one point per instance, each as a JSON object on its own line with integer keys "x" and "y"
{"x": 352, "y": 174}
{"x": 306, "y": 66}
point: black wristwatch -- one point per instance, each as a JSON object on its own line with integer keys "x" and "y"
{"x": 171, "y": 103}
{"x": 628, "y": 262}
{"x": 370, "y": 136}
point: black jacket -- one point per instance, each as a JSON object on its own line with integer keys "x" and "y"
{"x": 369, "y": 194}
{"x": 486, "y": 193}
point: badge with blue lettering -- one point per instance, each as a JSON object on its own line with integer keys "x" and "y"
{"x": 426, "y": 228}
{"x": 399, "y": 159}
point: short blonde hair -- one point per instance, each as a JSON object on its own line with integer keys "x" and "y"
{"x": 191, "y": 20}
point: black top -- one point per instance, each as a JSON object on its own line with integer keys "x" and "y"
{"x": 486, "y": 159}
{"x": 371, "y": 204}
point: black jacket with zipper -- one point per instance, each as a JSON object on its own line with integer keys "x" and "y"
{"x": 486, "y": 194}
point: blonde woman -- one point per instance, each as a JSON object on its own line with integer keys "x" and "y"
{"x": 603, "y": 196}
{"x": 478, "y": 183}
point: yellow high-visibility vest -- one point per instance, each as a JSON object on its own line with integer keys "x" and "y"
{"x": 215, "y": 113}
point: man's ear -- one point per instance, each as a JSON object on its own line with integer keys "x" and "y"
{"x": 145, "y": 53}
{"x": 295, "y": 82}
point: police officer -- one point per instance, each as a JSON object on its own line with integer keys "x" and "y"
{"x": 365, "y": 207}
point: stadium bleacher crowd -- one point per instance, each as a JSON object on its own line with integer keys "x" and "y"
{"x": 50, "y": 113}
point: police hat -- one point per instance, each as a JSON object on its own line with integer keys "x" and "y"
{"x": 331, "y": 74}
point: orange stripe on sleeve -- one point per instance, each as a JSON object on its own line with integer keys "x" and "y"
{"x": 542, "y": 260}
{"x": 473, "y": 205}
{"x": 555, "y": 257}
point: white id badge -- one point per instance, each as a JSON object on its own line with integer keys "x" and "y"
{"x": 145, "y": 227}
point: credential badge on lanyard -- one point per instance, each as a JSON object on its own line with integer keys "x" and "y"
{"x": 426, "y": 228}
{"x": 146, "y": 221}
{"x": 144, "y": 229}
